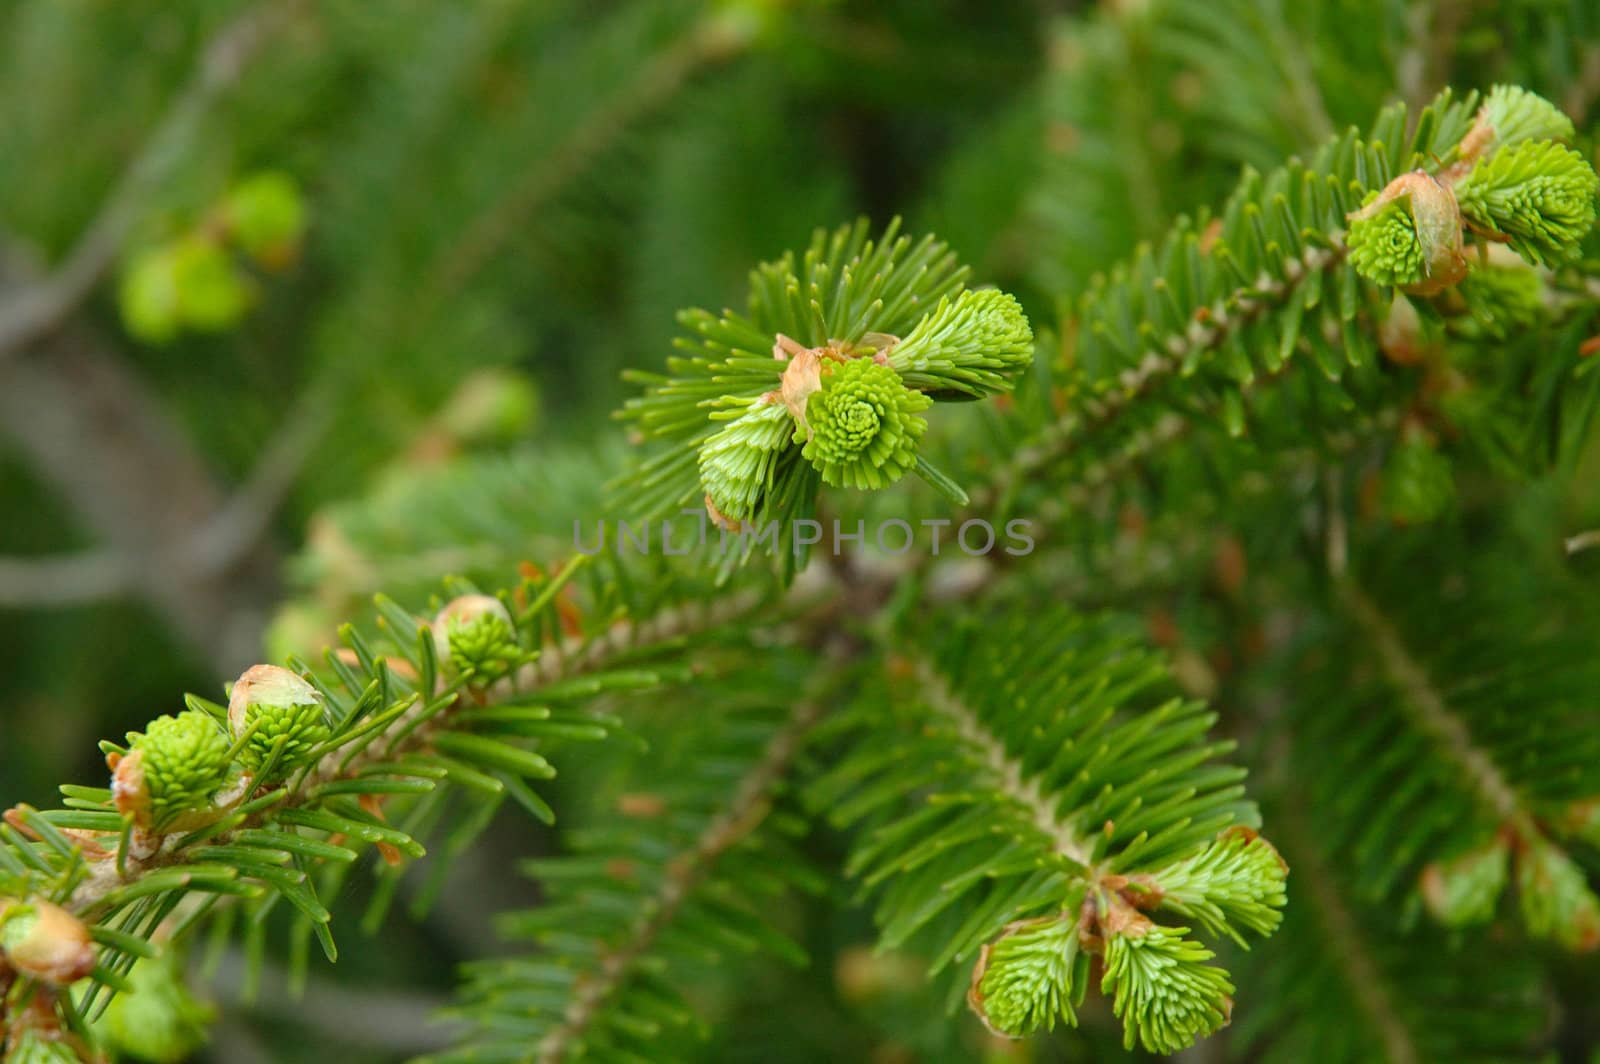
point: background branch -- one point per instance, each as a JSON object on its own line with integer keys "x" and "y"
{"x": 41, "y": 305}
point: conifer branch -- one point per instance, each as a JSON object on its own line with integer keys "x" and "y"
{"x": 997, "y": 818}
{"x": 1296, "y": 265}
{"x": 1472, "y": 794}
{"x": 1027, "y": 792}
{"x": 1382, "y": 989}
{"x": 1349, "y": 948}
{"x": 1433, "y": 716}
{"x": 714, "y": 40}
{"x": 747, "y": 807}
{"x": 62, "y": 580}
{"x": 304, "y": 784}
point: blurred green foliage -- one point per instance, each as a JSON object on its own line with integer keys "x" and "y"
{"x": 428, "y": 229}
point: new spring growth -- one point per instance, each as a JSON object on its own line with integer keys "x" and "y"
{"x": 476, "y": 632}
{"x": 1510, "y": 115}
{"x": 1237, "y": 882}
{"x": 738, "y": 462}
{"x": 1511, "y": 181}
{"x": 1162, "y": 990}
{"x": 1537, "y": 195}
{"x": 266, "y": 217}
{"x": 1556, "y": 901}
{"x": 970, "y": 344}
{"x": 282, "y": 715}
{"x": 863, "y": 425}
{"x": 1036, "y": 972}
{"x": 45, "y": 942}
{"x": 1031, "y": 977}
{"x": 1466, "y": 889}
{"x": 1409, "y": 235}
{"x": 195, "y": 280}
{"x": 171, "y": 772}
{"x": 853, "y": 405}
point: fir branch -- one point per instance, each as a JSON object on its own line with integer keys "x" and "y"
{"x": 714, "y": 40}
{"x": 1377, "y": 988}
{"x": 1433, "y": 716}
{"x": 1193, "y": 325}
{"x": 747, "y": 807}
{"x": 1439, "y": 789}
{"x": 1027, "y": 792}
{"x": 410, "y": 720}
{"x": 998, "y": 799}
{"x": 1362, "y": 975}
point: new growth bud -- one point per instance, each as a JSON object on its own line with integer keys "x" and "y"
{"x": 266, "y": 217}
{"x": 1466, "y": 889}
{"x": 168, "y": 778}
{"x": 971, "y": 344}
{"x": 45, "y": 942}
{"x": 864, "y": 425}
{"x": 1031, "y": 977}
{"x": 1409, "y": 235}
{"x": 1538, "y": 194}
{"x": 1511, "y": 115}
{"x": 476, "y": 632}
{"x": 280, "y": 711}
{"x": 737, "y": 463}
{"x": 1557, "y": 903}
{"x": 1163, "y": 992}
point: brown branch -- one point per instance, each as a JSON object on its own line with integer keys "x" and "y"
{"x": 42, "y": 305}
{"x": 63, "y": 580}
{"x": 93, "y": 431}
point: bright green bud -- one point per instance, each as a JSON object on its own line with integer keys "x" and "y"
{"x": 737, "y": 463}
{"x": 173, "y": 769}
{"x": 212, "y": 294}
{"x": 1466, "y": 889}
{"x": 1031, "y": 977}
{"x": 1409, "y": 235}
{"x": 148, "y": 296}
{"x": 266, "y": 216}
{"x": 1515, "y": 115}
{"x": 1236, "y": 881}
{"x": 1557, "y": 903}
{"x": 864, "y": 425}
{"x": 1418, "y": 483}
{"x": 1538, "y": 193}
{"x": 1166, "y": 997}
{"x": 1383, "y": 245}
{"x": 476, "y": 632}
{"x": 282, "y": 712}
{"x": 157, "y": 1020}
{"x": 972, "y": 344}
